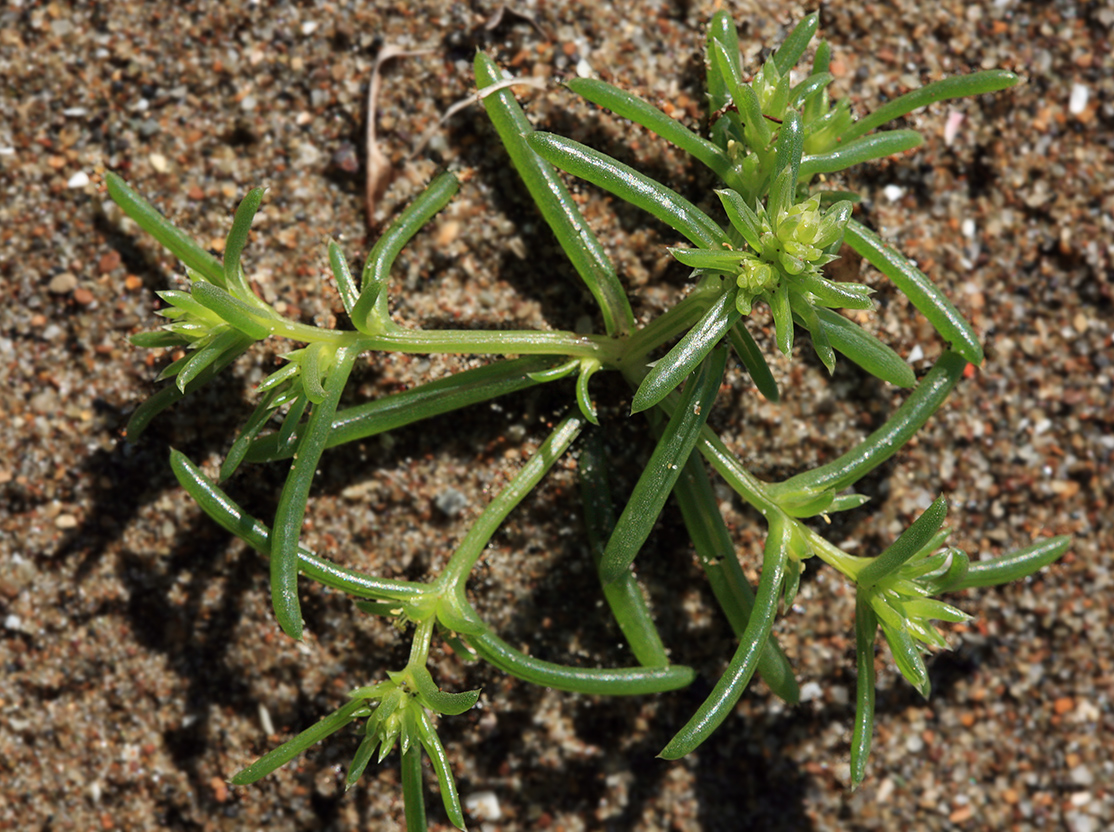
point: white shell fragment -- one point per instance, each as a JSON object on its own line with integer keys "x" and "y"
{"x": 1079, "y": 96}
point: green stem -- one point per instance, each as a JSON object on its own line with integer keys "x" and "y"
{"x": 452, "y": 579}
{"x": 664, "y": 328}
{"x": 222, "y": 509}
{"x": 599, "y": 681}
{"x": 419, "y": 648}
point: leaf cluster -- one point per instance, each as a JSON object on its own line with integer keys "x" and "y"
{"x": 768, "y": 140}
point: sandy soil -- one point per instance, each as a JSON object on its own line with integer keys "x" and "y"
{"x": 141, "y": 665}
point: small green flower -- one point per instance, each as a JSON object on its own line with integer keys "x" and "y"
{"x": 398, "y": 713}
{"x": 787, "y": 244}
{"x": 899, "y": 583}
{"x": 906, "y": 612}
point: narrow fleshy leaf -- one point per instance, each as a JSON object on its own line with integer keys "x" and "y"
{"x": 292, "y": 748}
{"x": 907, "y": 656}
{"x": 236, "y": 240}
{"x": 583, "y": 397}
{"x": 623, "y": 104}
{"x": 682, "y": 359}
{"x": 624, "y": 595}
{"x": 883, "y": 443}
{"x": 630, "y": 185}
{"x": 796, "y": 43}
{"x": 158, "y": 338}
{"x": 960, "y": 86}
{"x": 701, "y": 258}
{"x": 865, "y": 349}
{"x": 315, "y": 362}
{"x": 742, "y": 217}
{"x": 286, "y": 435}
{"x": 782, "y": 312}
{"x": 866, "y": 627}
{"x": 413, "y": 792}
{"x": 1013, "y": 566}
{"x": 169, "y": 236}
{"x": 807, "y": 88}
{"x": 922, "y": 293}
{"x": 438, "y": 700}
{"x": 255, "y": 423}
{"x": 425, "y": 401}
{"x": 861, "y": 150}
{"x": 211, "y": 499}
{"x": 781, "y": 192}
{"x": 661, "y": 472}
{"x": 554, "y": 202}
{"x": 734, "y": 680}
{"x": 721, "y": 28}
{"x": 756, "y": 130}
{"x": 790, "y": 146}
{"x": 556, "y": 372}
{"x": 295, "y": 494}
{"x": 226, "y": 341}
{"x": 182, "y": 301}
{"x": 716, "y": 551}
{"x": 829, "y": 293}
{"x": 440, "y": 760}
{"x": 346, "y": 283}
{"x": 231, "y": 309}
{"x": 370, "y": 314}
{"x": 602, "y": 681}
{"x": 911, "y": 541}
{"x": 806, "y": 313}
{"x": 360, "y": 759}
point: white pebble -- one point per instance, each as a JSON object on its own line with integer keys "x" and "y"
{"x": 265, "y": 720}
{"x": 893, "y": 192}
{"x": 810, "y": 691}
{"x": 951, "y": 126}
{"x": 483, "y": 806}
{"x": 1082, "y": 776}
{"x": 13, "y": 622}
{"x": 915, "y": 354}
{"x": 1079, "y": 822}
{"x": 78, "y": 180}
{"x": 1079, "y": 96}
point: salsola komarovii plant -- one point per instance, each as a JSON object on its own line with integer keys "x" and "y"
{"x": 775, "y": 230}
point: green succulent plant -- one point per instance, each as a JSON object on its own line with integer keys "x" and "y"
{"x": 768, "y": 140}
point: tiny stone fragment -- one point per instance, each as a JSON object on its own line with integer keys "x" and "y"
{"x": 450, "y": 502}
{"x": 63, "y": 283}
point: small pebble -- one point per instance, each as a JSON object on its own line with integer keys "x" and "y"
{"x": 1082, "y": 776}
{"x": 1079, "y": 96}
{"x": 78, "y": 180}
{"x": 450, "y": 502}
{"x": 483, "y": 806}
{"x": 63, "y": 283}
{"x": 65, "y": 522}
{"x": 810, "y": 691}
